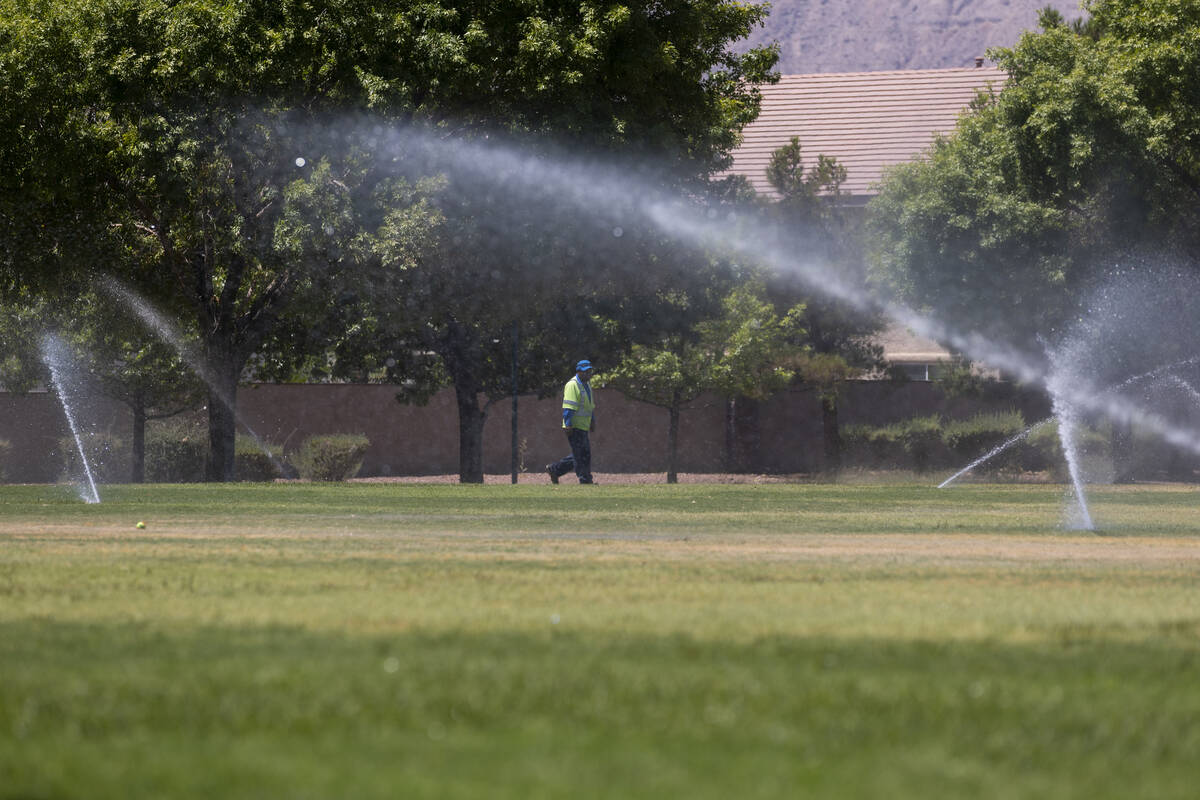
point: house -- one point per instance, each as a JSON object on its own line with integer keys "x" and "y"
{"x": 868, "y": 121}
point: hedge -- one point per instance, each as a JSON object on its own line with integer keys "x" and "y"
{"x": 175, "y": 455}
{"x": 107, "y": 457}
{"x": 335, "y": 457}
{"x": 924, "y": 444}
{"x": 256, "y": 461}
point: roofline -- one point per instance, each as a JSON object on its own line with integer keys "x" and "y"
{"x": 939, "y": 71}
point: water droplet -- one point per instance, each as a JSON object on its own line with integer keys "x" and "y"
{"x": 618, "y": 232}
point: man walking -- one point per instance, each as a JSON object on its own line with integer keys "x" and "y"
{"x": 578, "y": 420}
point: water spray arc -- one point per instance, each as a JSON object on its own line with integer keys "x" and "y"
{"x": 995, "y": 451}
{"x": 614, "y": 195}
{"x": 607, "y": 196}
{"x": 160, "y": 326}
{"x": 57, "y": 360}
{"x": 1189, "y": 391}
{"x": 1068, "y": 434}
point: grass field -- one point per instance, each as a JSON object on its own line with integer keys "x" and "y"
{"x": 301, "y": 641}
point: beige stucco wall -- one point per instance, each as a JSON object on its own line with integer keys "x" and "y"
{"x": 782, "y": 434}
{"x": 423, "y": 440}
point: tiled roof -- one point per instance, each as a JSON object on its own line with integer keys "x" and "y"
{"x": 866, "y": 120}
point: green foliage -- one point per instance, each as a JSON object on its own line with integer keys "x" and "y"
{"x": 971, "y": 438}
{"x": 237, "y": 163}
{"x": 742, "y": 351}
{"x": 922, "y": 441}
{"x": 22, "y": 325}
{"x": 1094, "y": 444}
{"x": 805, "y": 197}
{"x": 836, "y": 338}
{"x": 751, "y": 343}
{"x": 959, "y": 379}
{"x": 915, "y": 444}
{"x": 1154, "y": 459}
{"x": 175, "y": 454}
{"x": 824, "y": 371}
{"x": 1084, "y": 157}
{"x": 107, "y": 456}
{"x": 932, "y": 443}
{"x": 335, "y": 457}
{"x": 257, "y": 461}
{"x": 5, "y": 458}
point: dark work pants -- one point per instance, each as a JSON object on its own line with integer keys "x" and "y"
{"x": 580, "y": 459}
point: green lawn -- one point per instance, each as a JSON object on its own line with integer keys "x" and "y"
{"x": 720, "y": 641}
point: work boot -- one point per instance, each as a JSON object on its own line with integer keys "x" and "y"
{"x": 550, "y": 472}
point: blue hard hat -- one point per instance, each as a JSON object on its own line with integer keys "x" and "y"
{"x": 583, "y": 366}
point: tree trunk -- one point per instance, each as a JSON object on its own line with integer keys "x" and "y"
{"x": 831, "y": 438}
{"x": 470, "y": 434}
{"x": 742, "y": 435}
{"x": 673, "y": 440}
{"x": 1122, "y": 452}
{"x": 222, "y": 417}
{"x": 730, "y": 460}
{"x": 459, "y": 348}
{"x": 138, "y": 468}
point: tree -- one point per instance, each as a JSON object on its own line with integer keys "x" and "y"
{"x": 132, "y": 366}
{"x": 807, "y": 198}
{"x": 211, "y": 132}
{"x": 653, "y": 90}
{"x": 741, "y": 351}
{"x": 1086, "y": 155}
{"x": 839, "y": 339}
{"x": 122, "y": 359}
{"x": 180, "y": 124}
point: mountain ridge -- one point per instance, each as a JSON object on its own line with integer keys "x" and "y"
{"x": 818, "y": 36}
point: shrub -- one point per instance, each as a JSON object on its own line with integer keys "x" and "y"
{"x": 871, "y": 447}
{"x": 175, "y": 455}
{"x": 921, "y": 440}
{"x": 882, "y": 449}
{"x": 854, "y": 444}
{"x": 1095, "y": 453}
{"x": 5, "y": 455}
{"x": 969, "y": 439}
{"x": 256, "y": 461}
{"x": 927, "y": 443}
{"x": 1152, "y": 458}
{"x": 1045, "y": 444}
{"x": 107, "y": 457}
{"x": 331, "y": 458}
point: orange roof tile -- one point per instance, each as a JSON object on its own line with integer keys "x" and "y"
{"x": 866, "y": 120}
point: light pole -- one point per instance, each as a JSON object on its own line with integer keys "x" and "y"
{"x": 515, "y": 443}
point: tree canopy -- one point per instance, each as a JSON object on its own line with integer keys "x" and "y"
{"x": 200, "y": 149}
{"x": 741, "y": 350}
{"x": 1088, "y": 154}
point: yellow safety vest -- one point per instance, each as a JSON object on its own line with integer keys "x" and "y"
{"x": 577, "y": 396}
